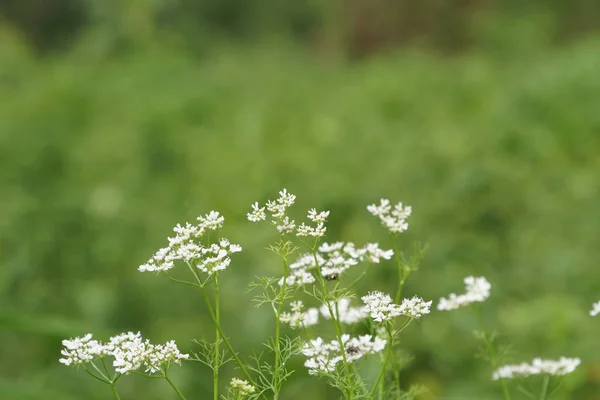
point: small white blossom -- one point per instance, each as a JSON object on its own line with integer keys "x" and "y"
{"x": 298, "y": 317}
{"x": 344, "y": 313}
{"x": 243, "y": 388}
{"x": 381, "y": 308}
{"x": 394, "y": 219}
{"x": 129, "y": 350}
{"x": 561, "y": 367}
{"x": 307, "y": 230}
{"x": 323, "y": 357}
{"x": 595, "y": 309}
{"x": 317, "y": 217}
{"x": 257, "y": 214}
{"x": 286, "y": 226}
{"x": 278, "y": 207}
{"x": 478, "y": 290}
{"x": 187, "y": 246}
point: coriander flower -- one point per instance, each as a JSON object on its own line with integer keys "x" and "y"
{"x": 277, "y": 208}
{"x": 595, "y": 309}
{"x": 243, "y": 388}
{"x": 323, "y": 357}
{"x": 394, "y": 219}
{"x": 344, "y": 313}
{"x": 478, "y": 290}
{"x": 317, "y": 231}
{"x": 381, "y": 308}
{"x": 333, "y": 260}
{"x": 257, "y": 214}
{"x": 298, "y": 317}
{"x": 561, "y": 367}
{"x": 187, "y": 245}
{"x": 129, "y": 351}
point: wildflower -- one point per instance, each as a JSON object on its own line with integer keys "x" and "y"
{"x": 243, "y": 388}
{"x": 257, "y": 214}
{"x": 298, "y": 317}
{"x": 561, "y": 367}
{"x": 381, "y": 308}
{"x": 286, "y": 226}
{"x": 277, "y": 208}
{"x": 344, "y": 313}
{"x": 478, "y": 290}
{"x": 393, "y": 218}
{"x": 323, "y": 357}
{"x": 595, "y": 309}
{"x": 129, "y": 350}
{"x": 333, "y": 260}
{"x": 187, "y": 246}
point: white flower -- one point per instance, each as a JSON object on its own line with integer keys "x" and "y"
{"x": 595, "y": 309}
{"x": 298, "y": 317}
{"x": 286, "y": 226}
{"x": 381, "y": 308}
{"x": 345, "y": 314}
{"x": 333, "y": 260}
{"x": 129, "y": 350}
{"x": 563, "y": 366}
{"x": 323, "y": 357}
{"x": 394, "y": 219}
{"x": 257, "y": 214}
{"x": 243, "y": 388}
{"x": 317, "y": 217}
{"x": 80, "y": 350}
{"x": 187, "y": 246}
{"x": 478, "y": 290}
{"x": 278, "y": 207}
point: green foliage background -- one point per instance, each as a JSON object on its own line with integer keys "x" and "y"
{"x": 106, "y": 145}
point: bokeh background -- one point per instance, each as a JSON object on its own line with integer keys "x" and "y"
{"x": 119, "y": 119}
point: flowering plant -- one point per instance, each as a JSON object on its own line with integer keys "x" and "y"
{"x": 315, "y": 272}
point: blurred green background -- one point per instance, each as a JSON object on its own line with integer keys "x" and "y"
{"x": 119, "y": 119}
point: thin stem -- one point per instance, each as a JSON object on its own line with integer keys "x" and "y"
{"x": 97, "y": 377}
{"x": 400, "y": 268}
{"x": 491, "y": 350}
{"x": 224, "y": 338}
{"x": 181, "y": 396}
{"x": 545, "y": 387}
{"x": 379, "y": 383}
{"x": 182, "y": 281}
{"x": 276, "y": 377}
{"x": 217, "y": 336}
{"x": 114, "y": 391}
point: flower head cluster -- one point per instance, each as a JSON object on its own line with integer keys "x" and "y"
{"x": 129, "y": 350}
{"x": 277, "y": 209}
{"x": 393, "y": 218}
{"x": 318, "y": 230}
{"x": 478, "y": 289}
{"x": 538, "y": 366}
{"x": 381, "y": 308}
{"x": 333, "y": 260}
{"x": 323, "y": 357}
{"x": 344, "y": 313}
{"x": 298, "y": 317}
{"x": 186, "y": 245}
{"x": 241, "y": 388}
{"x": 595, "y": 309}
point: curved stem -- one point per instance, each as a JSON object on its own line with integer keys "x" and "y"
{"x": 276, "y": 377}
{"x": 545, "y": 387}
{"x": 114, "y": 391}
{"x": 217, "y": 336}
{"x": 181, "y": 396}
{"x": 491, "y": 350}
{"x": 380, "y": 381}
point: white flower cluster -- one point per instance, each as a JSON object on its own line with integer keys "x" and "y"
{"x": 298, "y": 318}
{"x": 478, "y": 289}
{"x": 595, "y": 309}
{"x": 243, "y": 388}
{"x": 129, "y": 350}
{"x": 323, "y": 357}
{"x": 186, "y": 245}
{"x": 333, "y": 260}
{"x": 393, "y": 218}
{"x": 381, "y": 308}
{"x": 563, "y": 366}
{"x": 277, "y": 208}
{"x": 344, "y": 313}
{"x": 318, "y": 218}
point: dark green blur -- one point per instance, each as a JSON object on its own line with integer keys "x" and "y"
{"x": 120, "y": 119}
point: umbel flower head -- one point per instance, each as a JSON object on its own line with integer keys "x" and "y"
{"x": 333, "y": 260}
{"x": 241, "y": 388}
{"x": 187, "y": 246}
{"x": 323, "y": 357}
{"x": 344, "y": 313}
{"x": 478, "y": 290}
{"x": 381, "y": 308}
{"x": 298, "y": 318}
{"x": 393, "y": 218}
{"x": 129, "y": 351}
{"x": 538, "y": 366}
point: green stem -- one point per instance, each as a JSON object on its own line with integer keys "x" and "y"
{"x": 114, "y": 391}
{"x": 216, "y": 361}
{"x": 545, "y": 387}
{"x": 491, "y": 350}
{"x": 401, "y": 271}
{"x": 276, "y": 377}
{"x": 379, "y": 383}
{"x": 181, "y": 396}
{"x": 224, "y": 338}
